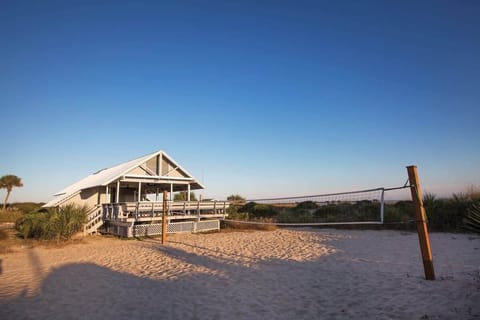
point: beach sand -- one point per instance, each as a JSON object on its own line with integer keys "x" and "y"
{"x": 283, "y": 274}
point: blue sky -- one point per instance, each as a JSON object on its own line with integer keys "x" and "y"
{"x": 261, "y": 98}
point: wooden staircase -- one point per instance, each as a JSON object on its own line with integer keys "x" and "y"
{"x": 94, "y": 220}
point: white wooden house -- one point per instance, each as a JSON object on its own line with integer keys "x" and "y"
{"x": 126, "y": 199}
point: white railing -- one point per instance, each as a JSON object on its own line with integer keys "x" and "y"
{"x": 120, "y": 211}
{"x": 94, "y": 219}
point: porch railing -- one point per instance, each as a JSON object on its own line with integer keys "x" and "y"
{"x": 125, "y": 210}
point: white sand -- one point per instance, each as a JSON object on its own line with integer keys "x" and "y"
{"x": 305, "y": 274}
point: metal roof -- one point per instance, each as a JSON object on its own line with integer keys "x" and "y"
{"x": 108, "y": 175}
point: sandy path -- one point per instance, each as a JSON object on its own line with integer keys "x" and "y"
{"x": 327, "y": 274}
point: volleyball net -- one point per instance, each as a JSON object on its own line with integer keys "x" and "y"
{"x": 342, "y": 208}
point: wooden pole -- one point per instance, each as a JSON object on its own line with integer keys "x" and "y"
{"x": 164, "y": 218}
{"x": 421, "y": 222}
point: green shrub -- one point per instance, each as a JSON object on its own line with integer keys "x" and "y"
{"x": 344, "y": 212}
{"x": 258, "y": 210}
{"x": 247, "y": 208}
{"x": 235, "y": 198}
{"x": 306, "y": 205}
{"x": 264, "y": 211}
{"x": 265, "y": 224}
{"x": 366, "y": 210}
{"x": 397, "y": 214}
{"x": 27, "y": 207}
{"x": 61, "y": 223}
{"x": 10, "y": 216}
{"x": 405, "y": 206}
{"x": 447, "y": 214}
{"x": 325, "y": 213}
{"x": 429, "y": 200}
{"x": 472, "y": 220}
{"x": 233, "y": 213}
{"x": 293, "y": 215}
{"x": 32, "y": 225}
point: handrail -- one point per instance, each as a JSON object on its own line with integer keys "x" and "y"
{"x": 123, "y": 210}
{"x": 159, "y": 204}
{"x": 94, "y": 217}
{"x": 93, "y": 209}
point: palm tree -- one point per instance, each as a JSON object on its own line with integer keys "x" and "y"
{"x": 8, "y": 182}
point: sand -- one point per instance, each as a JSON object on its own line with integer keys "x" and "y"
{"x": 284, "y": 274}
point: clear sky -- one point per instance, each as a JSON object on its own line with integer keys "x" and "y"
{"x": 260, "y": 98}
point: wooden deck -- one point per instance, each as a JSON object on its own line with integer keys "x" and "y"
{"x": 132, "y": 219}
{"x": 152, "y": 211}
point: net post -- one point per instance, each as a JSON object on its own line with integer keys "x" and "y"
{"x": 421, "y": 222}
{"x": 382, "y": 205}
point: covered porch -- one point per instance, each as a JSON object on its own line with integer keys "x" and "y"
{"x": 141, "y": 188}
{"x": 134, "y": 206}
{"x": 140, "y": 198}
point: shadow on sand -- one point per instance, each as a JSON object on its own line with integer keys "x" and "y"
{"x": 275, "y": 289}
{"x": 228, "y": 291}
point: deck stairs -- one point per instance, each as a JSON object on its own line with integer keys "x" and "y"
{"x": 94, "y": 220}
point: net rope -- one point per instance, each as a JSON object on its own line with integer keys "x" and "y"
{"x": 370, "y": 194}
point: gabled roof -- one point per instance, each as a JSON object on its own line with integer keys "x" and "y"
{"x": 108, "y": 175}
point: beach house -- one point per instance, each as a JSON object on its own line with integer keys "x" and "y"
{"x": 127, "y": 199}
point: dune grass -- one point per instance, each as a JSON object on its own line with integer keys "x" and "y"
{"x": 267, "y": 225}
{"x": 57, "y": 223}
{"x": 10, "y": 216}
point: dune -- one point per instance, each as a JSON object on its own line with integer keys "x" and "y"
{"x": 283, "y": 274}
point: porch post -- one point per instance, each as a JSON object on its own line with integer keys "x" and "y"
{"x": 164, "y": 217}
{"x": 139, "y": 191}
{"x": 117, "y": 196}
{"x": 171, "y": 191}
{"x": 107, "y": 198}
{"x": 188, "y": 192}
{"x": 156, "y": 194}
